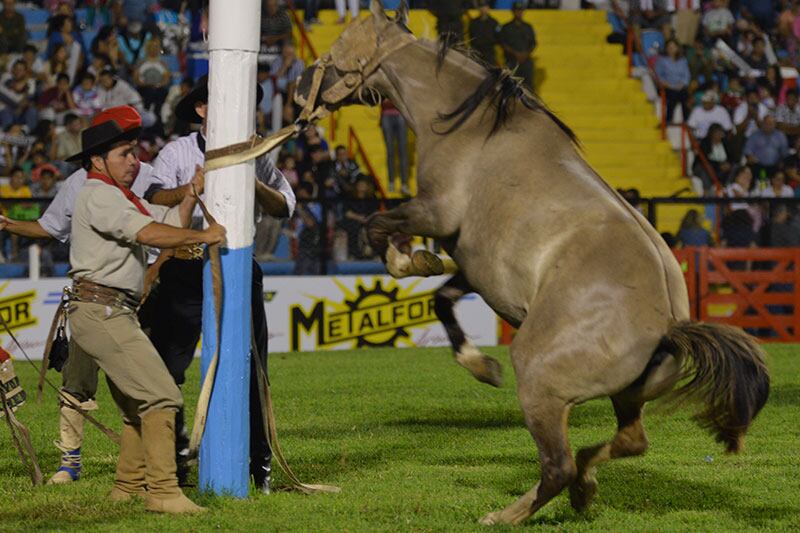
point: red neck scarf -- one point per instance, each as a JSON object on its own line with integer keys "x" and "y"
{"x": 126, "y": 191}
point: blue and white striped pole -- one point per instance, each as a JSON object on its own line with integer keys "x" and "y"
{"x": 230, "y": 192}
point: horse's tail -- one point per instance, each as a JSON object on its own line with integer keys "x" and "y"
{"x": 726, "y": 370}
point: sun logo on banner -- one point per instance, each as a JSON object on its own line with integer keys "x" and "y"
{"x": 368, "y": 315}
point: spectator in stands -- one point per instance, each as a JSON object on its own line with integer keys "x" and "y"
{"x": 307, "y": 220}
{"x": 449, "y": 23}
{"x": 758, "y": 59}
{"x": 701, "y": 63}
{"x": 86, "y": 97}
{"x": 16, "y": 98}
{"x": 766, "y": 147}
{"x": 772, "y": 81}
{"x": 13, "y": 35}
{"x": 673, "y": 72}
{"x": 346, "y": 171}
{"x": 395, "y": 135}
{"x": 152, "y": 76}
{"x": 692, "y": 232}
{"x": 649, "y": 14}
{"x": 786, "y": 25}
{"x": 47, "y": 186}
{"x": 340, "y": 9}
{"x": 311, "y": 12}
{"x": 139, "y": 11}
{"x": 30, "y": 55}
{"x": 106, "y": 46}
{"x": 56, "y": 64}
{"x": 132, "y": 37}
{"x": 761, "y": 11}
{"x": 777, "y": 187}
{"x": 783, "y": 233}
{"x": 737, "y": 232}
{"x": 734, "y": 94}
{"x": 171, "y": 122}
{"x": 114, "y": 91}
{"x": 355, "y": 216}
{"x": 287, "y": 69}
{"x": 718, "y": 22}
{"x": 518, "y": 41}
{"x": 70, "y": 138}
{"x": 288, "y": 166}
{"x": 58, "y": 99}
{"x": 483, "y": 33}
{"x": 15, "y": 188}
{"x": 740, "y": 187}
{"x": 322, "y": 168}
{"x": 63, "y": 30}
{"x": 276, "y": 29}
{"x": 716, "y": 150}
{"x": 701, "y": 118}
{"x": 265, "y": 107}
{"x": 16, "y": 146}
{"x": 787, "y": 116}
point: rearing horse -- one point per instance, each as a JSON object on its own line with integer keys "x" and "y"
{"x": 599, "y": 300}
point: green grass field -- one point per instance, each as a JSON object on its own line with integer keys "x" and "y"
{"x": 416, "y": 444}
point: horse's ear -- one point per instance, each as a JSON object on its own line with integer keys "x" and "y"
{"x": 376, "y": 7}
{"x": 402, "y": 13}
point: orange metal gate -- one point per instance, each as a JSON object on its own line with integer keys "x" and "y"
{"x": 754, "y": 288}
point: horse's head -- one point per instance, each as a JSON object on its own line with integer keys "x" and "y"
{"x": 345, "y": 75}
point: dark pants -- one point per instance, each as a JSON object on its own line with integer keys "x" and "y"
{"x": 395, "y": 135}
{"x": 175, "y": 332}
{"x": 311, "y": 10}
{"x": 674, "y": 98}
{"x": 523, "y": 70}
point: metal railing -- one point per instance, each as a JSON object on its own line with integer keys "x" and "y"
{"x": 329, "y": 242}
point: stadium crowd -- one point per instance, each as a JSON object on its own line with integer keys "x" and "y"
{"x": 63, "y": 60}
{"x": 730, "y": 67}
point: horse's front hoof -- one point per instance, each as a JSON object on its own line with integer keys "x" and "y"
{"x": 427, "y": 263}
{"x": 493, "y": 372}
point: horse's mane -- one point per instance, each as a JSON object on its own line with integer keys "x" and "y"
{"x": 501, "y": 88}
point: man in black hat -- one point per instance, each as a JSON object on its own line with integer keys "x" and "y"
{"x": 111, "y": 230}
{"x": 483, "y": 32}
{"x": 176, "y": 329}
{"x": 518, "y": 41}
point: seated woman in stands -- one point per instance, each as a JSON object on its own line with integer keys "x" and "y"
{"x": 717, "y": 153}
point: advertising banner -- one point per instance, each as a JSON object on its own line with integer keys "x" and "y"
{"x": 304, "y": 313}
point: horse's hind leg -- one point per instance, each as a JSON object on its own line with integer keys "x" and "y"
{"x": 485, "y": 369}
{"x": 630, "y": 440}
{"x": 546, "y": 418}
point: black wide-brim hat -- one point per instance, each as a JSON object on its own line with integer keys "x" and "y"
{"x": 199, "y": 93}
{"x": 109, "y": 127}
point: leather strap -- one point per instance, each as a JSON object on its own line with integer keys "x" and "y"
{"x": 63, "y": 397}
{"x": 22, "y": 442}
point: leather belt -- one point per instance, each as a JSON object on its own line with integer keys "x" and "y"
{"x": 189, "y": 253}
{"x": 87, "y": 291}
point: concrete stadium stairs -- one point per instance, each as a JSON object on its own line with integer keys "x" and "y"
{"x": 583, "y": 79}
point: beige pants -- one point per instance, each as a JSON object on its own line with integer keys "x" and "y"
{"x": 686, "y": 23}
{"x": 112, "y": 337}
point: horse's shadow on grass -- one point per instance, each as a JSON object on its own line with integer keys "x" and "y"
{"x": 784, "y": 396}
{"x": 637, "y": 489}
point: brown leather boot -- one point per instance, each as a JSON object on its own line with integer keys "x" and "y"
{"x": 163, "y": 493}
{"x": 130, "y": 480}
